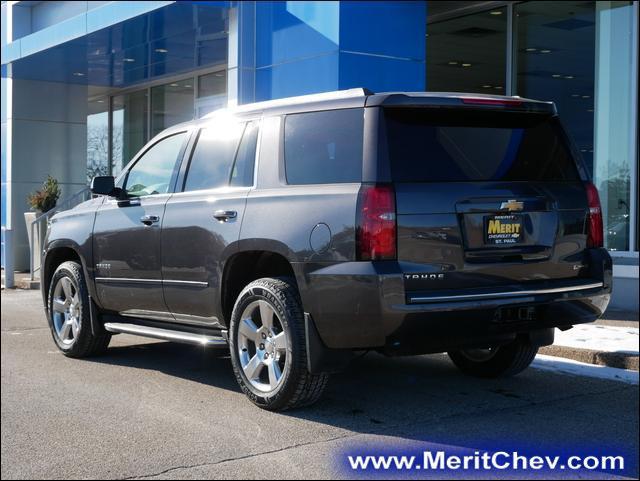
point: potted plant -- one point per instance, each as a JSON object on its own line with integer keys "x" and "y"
{"x": 40, "y": 201}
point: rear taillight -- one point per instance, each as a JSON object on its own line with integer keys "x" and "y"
{"x": 376, "y": 223}
{"x": 594, "y": 220}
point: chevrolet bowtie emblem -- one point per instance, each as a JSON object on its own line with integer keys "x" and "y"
{"x": 512, "y": 205}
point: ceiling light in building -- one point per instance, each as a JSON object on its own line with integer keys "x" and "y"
{"x": 161, "y": 50}
{"x": 556, "y": 75}
{"x": 589, "y": 110}
{"x": 173, "y": 85}
{"x": 486, "y": 86}
{"x": 586, "y": 96}
{"x": 453, "y": 62}
{"x": 545, "y": 50}
{"x": 126, "y": 59}
{"x": 531, "y": 49}
{"x": 466, "y": 65}
{"x": 496, "y": 12}
{"x": 78, "y": 74}
{"x": 498, "y": 87}
{"x": 575, "y": 96}
{"x": 568, "y": 77}
{"x": 188, "y": 86}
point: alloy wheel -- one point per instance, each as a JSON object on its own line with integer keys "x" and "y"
{"x": 66, "y": 311}
{"x": 262, "y": 346}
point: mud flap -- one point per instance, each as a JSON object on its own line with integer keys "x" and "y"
{"x": 320, "y": 358}
{"x": 96, "y": 324}
{"x": 542, "y": 337}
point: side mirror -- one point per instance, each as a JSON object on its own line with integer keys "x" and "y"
{"x": 104, "y": 185}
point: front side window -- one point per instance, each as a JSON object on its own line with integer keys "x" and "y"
{"x": 213, "y": 155}
{"x": 152, "y": 173}
{"x": 324, "y": 147}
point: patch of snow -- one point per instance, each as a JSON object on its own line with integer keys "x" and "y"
{"x": 600, "y": 338}
{"x": 575, "y": 368}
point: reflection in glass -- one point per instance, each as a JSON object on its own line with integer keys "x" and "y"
{"x": 614, "y": 118}
{"x": 97, "y": 138}
{"x": 555, "y": 61}
{"x": 171, "y": 104}
{"x": 129, "y": 128}
{"x": 212, "y": 92}
{"x": 212, "y": 84}
{"x": 468, "y": 54}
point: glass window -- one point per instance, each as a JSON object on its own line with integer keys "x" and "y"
{"x": 212, "y": 92}
{"x": 152, "y": 173}
{"x": 242, "y": 174}
{"x": 436, "y": 147}
{"x": 213, "y": 155}
{"x": 171, "y": 104}
{"x": 555, "y": 61}
{"x": 468, "y": 54}
{"x": 614, "y": 136}
{"x": 129, "y": 128}
{"x": 580, "y": 55}
{"x": 97, "y": 138}
{"x": 212, "y": 84}
{"x": 324, "y": 147}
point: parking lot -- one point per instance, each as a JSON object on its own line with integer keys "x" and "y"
{"x": 153, "y": 409}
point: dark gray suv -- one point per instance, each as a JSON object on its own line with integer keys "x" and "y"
{"x": 299, "y": 232}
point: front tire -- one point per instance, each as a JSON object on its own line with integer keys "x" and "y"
{"x": 502, "y": 361}
{"x": 69, "y": 314}
{"x": 268, "y": 347}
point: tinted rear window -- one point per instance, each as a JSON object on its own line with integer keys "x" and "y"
{"x": 324, "y": 147}
{"x": 428, "y": 146}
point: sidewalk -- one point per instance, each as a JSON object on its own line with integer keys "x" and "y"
{"x": 612, "y": 341}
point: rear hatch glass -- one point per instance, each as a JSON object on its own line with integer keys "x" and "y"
{"x": 437, "y": 146}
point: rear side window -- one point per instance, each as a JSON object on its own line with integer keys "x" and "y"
{"x": 324, "y": 147}
{"x": 213, "y": 155}
{"x": 461, "y": 146}
{"x": 242, "y": 173}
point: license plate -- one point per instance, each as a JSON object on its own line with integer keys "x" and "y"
{"x": 503, "y": 229}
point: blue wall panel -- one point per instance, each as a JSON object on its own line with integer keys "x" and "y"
{"x": 308, "y": 47}
{"x": 285, "y": 32}
{"x": 317, "y": 74}
{"x": 380, "y": 74}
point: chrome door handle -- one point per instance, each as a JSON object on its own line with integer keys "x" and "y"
{"x": 149, "y": 219}
{"x": 225, "y": 215}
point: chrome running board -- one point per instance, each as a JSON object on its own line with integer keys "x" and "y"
{"x": 166, "y": 334}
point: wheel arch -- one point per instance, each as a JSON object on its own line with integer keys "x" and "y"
{"x": 58, "y": 252}
{"x": 246, "y": 266}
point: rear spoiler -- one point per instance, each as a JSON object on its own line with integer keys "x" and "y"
{"x": 490, "y": 102}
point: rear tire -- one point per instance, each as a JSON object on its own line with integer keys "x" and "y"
{"x": 502, "y": 361}
{"x": 69, "y": 314}
{"x": 268, "y": 347}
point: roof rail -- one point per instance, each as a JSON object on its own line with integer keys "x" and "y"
{"x": 301, "y": 99}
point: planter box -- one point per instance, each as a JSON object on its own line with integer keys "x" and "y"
{"x": 39, "y": 233}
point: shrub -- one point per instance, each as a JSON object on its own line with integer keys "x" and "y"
{"x": 45, "y": 199}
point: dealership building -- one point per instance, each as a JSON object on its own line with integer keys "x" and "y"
{"x": 85, "y": 84}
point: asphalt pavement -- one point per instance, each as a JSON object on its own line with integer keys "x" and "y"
{"x": 153, "y": 409}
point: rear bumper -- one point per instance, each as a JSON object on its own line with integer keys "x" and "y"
{"x": 363, "y": 305}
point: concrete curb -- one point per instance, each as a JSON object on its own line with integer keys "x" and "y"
{"x": 620, "y": 360}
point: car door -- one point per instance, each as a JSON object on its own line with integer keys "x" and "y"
{"x": 202, "y": 223}
{"x": 126, "y": 239}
